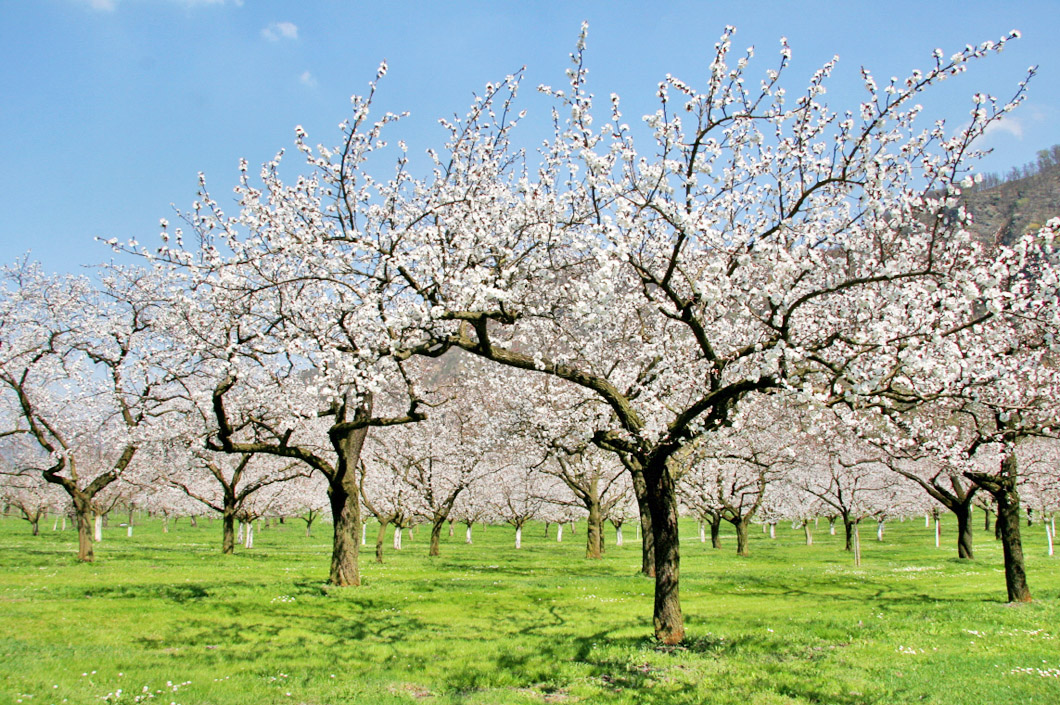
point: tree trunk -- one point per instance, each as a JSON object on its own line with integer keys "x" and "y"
{"x": 519, "y": 536}
{"x": 986, "y": 520}
{"x": 809, "y": 533}
{"x": 742, "y": 542}
{"x": 345, "y": 498}
{"x": 397, "y": 537}
{"x": 346, "y": 520}
{"x": 662, "y": 503}
{"x": 559, "y": 533}
{"x": 879, "y": 529}
{"x": 857, "y": 546}
{"x": 1008, "y": 516}
{"x": 83, "y": 516}
{"x": 715, "y": 531}
{"x": 593, "y": 538}
{"x": 831, "y": 526}
{"x": 619, "y": 539}
{"x": 964, "y": 530}
{"x": 467, "y": 534}
{"x": 647, "y": 534}
{"x": 436, "y": 537}
{"x": 228, "y": 532}
{"x": 379, "y": 539}
{"x": 98, "y": 528}
{"x": 848, "y": 528}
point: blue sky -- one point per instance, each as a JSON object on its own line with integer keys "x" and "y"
{"x": 110, "y": 108}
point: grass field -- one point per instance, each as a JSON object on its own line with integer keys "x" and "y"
{"x": 166, "y": 618}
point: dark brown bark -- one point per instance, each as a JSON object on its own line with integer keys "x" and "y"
{"x": 228, "y": 532}
{"x": 848, "y": 530}
{"x": 83, "y": 515}
{"x": 436, "y": 537}
{"x": 594, "y": 533}
{"x": 1003, "y": 488}
{"x": 662, "y": 502}
{"x": 346, "y": 515}
{"x": 963, "y": 513}
{"x": 715, "y": 531}
{"x": 742, "y": 543}
{"x": 647, "y": 534}
{"x": 379, "y": 539}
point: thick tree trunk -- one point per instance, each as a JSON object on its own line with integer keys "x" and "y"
{"x": 964, "y": 531}
{"x": 345, "y": 498}
{"x": 228, "y": 532}
{"x": 647, "y": 534}
{"x": 436, "y": 537}
{"x": 848, "y": 528}
{"x": 379, "y": 539}
{"x": 662, "y": 503}
{"x": 593, "y": 537}
{"x": 715, "y": 531}
{"x": 83, "y": 515}
{"x": 742, "y": 542}
{"x": 346, "y": 519}
{"x": 1008, "y": 516}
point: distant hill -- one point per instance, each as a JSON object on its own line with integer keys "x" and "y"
{"x": 1022, "y": 201}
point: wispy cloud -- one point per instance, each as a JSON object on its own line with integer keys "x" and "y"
{"x": 1008, "y": 125}
{"x": 280, "y": 30}
{"x": 308, "y": 79}
{"x": 112, "y": 5}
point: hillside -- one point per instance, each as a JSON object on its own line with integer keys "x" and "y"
{"x": 1019, "y": 204}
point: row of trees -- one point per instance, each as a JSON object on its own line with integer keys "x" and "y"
{"x": 747, "y": 276}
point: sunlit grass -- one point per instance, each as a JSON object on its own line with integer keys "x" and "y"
{"x": 488, "y": 624}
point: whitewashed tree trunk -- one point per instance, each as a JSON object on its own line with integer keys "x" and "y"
{"x": 98, "y": 535}
{"x": 879, "y": 530}
{"x": 467, "y": 535}
{"x": 239, "y": 536}
{"x": 250, "y": 535}
{"x": 364, "y": 533}
{"x": 772, "y": 531}
{"x": 559, "y": 534}
{"x": 518, "y": 537}
{"x": 809, "y": 533}
{"x": 765, "y": 528}
{"x": 831, "y": 528}
{"x": 938, "y": 532}
{"x": 55, "y": 526}
{"x": 927, "y": 521}
{"x": 618, "y": 536}
{"x": 857, "y": 546}
{"x": 62, "y": 524}
{"x": 1049, "y": 535}
{"x": 397, "y": 538}
{"x": 702, "y": 532}
{"x": 128, "y": 530}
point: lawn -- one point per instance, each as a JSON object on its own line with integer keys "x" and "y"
{"x": 166, "y": 618}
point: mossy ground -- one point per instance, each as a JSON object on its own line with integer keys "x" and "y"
{"x": 166, "y": 618}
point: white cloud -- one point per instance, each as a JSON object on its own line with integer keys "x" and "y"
{"x": 1010, "y": 125}
{"x": 280, "y": 30}
{"x": 307, "y": 79}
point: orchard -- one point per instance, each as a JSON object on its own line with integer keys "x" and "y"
{"x": 750, "y": 310}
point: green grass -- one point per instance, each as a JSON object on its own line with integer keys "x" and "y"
{"x": 488, "y": 624}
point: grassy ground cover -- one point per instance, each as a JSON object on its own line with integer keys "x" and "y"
{"x": 166, "y": 618}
